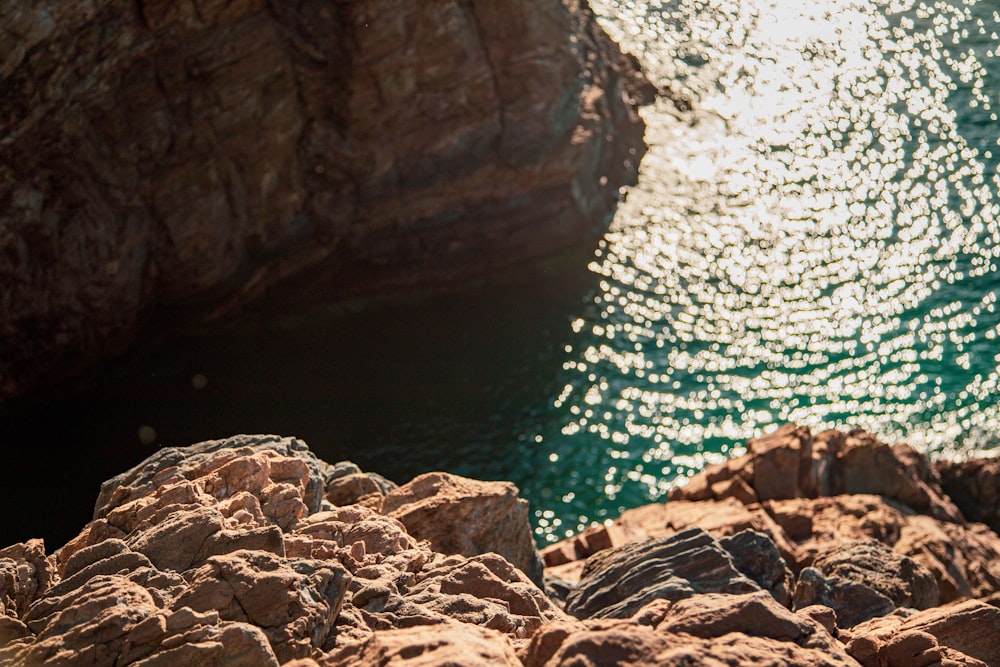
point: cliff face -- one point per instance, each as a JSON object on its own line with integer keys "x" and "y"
{"x": 194, "y": 155}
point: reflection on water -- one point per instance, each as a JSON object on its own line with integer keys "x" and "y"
{"x": 817, "y": 242}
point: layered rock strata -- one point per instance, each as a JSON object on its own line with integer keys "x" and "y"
{"x": 198, "y": 155}
{"x": 252, "y": 551}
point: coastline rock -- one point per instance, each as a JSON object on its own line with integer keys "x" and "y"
{"x": 232, "y": 553}
{"x": 792, "y": 463}
{"x": 710, "y": 629}
{"x": 465, "y": 516}
{"x": 974, "y": 485}
{"x": 193, "y": 158}
{"x": 616, "y": 583}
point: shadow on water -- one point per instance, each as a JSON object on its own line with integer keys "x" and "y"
{"x": 423, "y": 382}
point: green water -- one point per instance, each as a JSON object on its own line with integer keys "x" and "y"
{"x": 816, "y": 242}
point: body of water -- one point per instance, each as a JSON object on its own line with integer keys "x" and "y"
{"x": 815, "y": 240}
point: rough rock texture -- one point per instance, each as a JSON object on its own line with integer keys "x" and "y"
{"x": 227, "y": 553}
{"x": 465, "y": 516}
{"x": 616, "y": 583}
{"x": 197, "y": 155}
{"x": 711, "y": 629}
{"x": 251, "y": 551}
{"x": 882, "y": 547}
{"x": 974, "y": 485}
{"x": 861, "y": 580}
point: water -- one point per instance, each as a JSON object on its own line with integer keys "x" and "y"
{"x": 816, "y": 241}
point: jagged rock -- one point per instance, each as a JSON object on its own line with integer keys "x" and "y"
{"x": 429, "y": 646}
{"x": 484, "y": 587}
{"x": 200, "y": 156}
{"x": 965, "y": 633}
{"x": 347, "y": 484}
{"x": 710, "y": 629}
{"x": 964, "y": 559}
{"x": 225, "y": 468}
{"x": 294, "y": 601}
{"x": 617, "y": 582}
{"x": 25, "y": 574}
{"x": 464, "y": 516}
{"x": 974, "y": 486}
{"x": 861, "y": 580}
{"x": 721, "y": 518}
{"x": 792, "y": 463}
{"x": 756, "y": 556}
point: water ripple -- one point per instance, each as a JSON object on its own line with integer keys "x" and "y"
{"x": 815, "y": 242}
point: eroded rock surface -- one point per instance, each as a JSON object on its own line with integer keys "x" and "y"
{"x": 251, "y": 551}
{"x": 200, "y": 155}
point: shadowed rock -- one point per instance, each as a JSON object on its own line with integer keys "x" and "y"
{"x": 616, "y": 583}
{"x": 202, "y": 156}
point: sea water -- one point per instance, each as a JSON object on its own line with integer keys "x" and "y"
{"x": 816, "y": 241}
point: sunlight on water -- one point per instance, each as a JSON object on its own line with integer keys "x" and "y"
{"x": 815, "y": 242}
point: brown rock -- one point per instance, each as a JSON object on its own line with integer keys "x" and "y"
{"x": 791, "y": 463}
{"x": 429, "y": 646}
{"x": 709, "y": 629}
{"x": 756, "y": 556}
{"x": 295, "y": 602}
{"x": 225, "y": 469}
{"x": 25, "y": 574}
{"x": 966, "y": 633}
{"x": 974, "y": 486}
{"x": 617, "y": 582}
{"x": 199, "y": 155}
{"x": 860, "y": 580}
{"x": 463, "y": 516}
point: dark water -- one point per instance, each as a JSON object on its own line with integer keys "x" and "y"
{"x": 816, "y": 241}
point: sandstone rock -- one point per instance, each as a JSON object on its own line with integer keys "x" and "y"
{"x": 463, "y": 516}
{"x": 25, "y": 574}
{"x": 974, "y": 486}
{"x": 347, "y": 484}
{"x": 792, "y": 463}
{"x": 860, "y": 580}
{"x": 709, "y": 629}
{"x": 484, "y": 590}
{"x": 451, "y": 644}
{"x": 200, "y": 156}
{"x": 721, "y": 518}
{"x": 756, "y": 556}
{"x": 617, "y": 582}
{"x": 225, "y": 468}
{"x": 966, "y": 633}
{"x": 295, "y": 602}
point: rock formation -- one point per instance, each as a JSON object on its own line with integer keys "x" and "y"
{"x": 197, "y": 156}
{"x": 252, "y": 551}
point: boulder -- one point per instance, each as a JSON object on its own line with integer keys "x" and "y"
{"x": 965, "y": 633}
{"x": 860, "y": 580}
{"x": 294, "y": 601}
{"x": 226, "y": 469}
{"x": 464, "y": 516}
{"x": 974, "y": 486}
{"x": 708, "y": 629}
{"x": 617, "y": 582}
{"x": 429, "y": 646}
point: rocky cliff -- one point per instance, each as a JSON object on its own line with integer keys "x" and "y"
{"x": 813, "y": 549}
{"x": 197, "y": 155}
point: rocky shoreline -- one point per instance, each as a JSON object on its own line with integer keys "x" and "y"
{"x": 811, "y": 549}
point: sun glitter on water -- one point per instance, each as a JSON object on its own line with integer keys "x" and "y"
{"x": 815, "y": 242}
